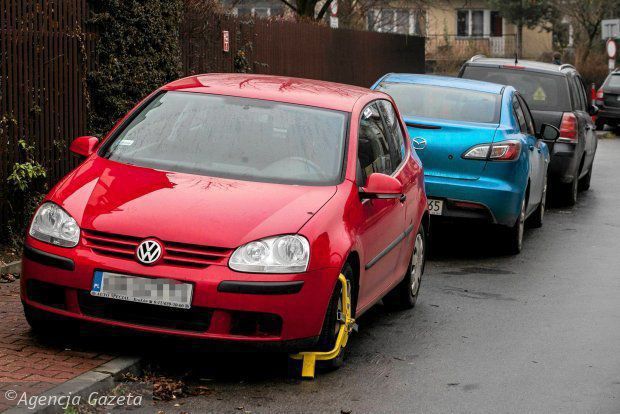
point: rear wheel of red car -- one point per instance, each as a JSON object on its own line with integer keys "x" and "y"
{"x": 405, "y": 294}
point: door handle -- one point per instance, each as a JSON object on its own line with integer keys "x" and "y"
{"x": 403, "y": 198}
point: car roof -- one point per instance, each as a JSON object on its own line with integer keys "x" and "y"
{"x": 447, "y": 81}
{"x": 523, "y": 64}
{"x": 309, "y": 92}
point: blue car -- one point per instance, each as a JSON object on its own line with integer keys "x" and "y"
{"x": 478, "y": 144}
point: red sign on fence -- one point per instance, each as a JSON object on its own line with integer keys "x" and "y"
{"x": 225, "y": 41}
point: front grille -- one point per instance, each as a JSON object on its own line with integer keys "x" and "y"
{"x": 194, "y": 319}
{"x": 177, "y": 254}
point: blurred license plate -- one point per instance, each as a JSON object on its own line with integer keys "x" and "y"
{"x": 435, "y": 207}
{"x": 162, "y": 292}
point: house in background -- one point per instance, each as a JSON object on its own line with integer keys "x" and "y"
{"x": 472, "y": 26}
{"x": 254, "y": 8}
{"x": 459, "y": 28}
{"x": 455, "y": 29}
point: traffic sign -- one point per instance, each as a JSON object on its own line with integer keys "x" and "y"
{"x": 611, "y": 48}
{"x": 610, "y": 28}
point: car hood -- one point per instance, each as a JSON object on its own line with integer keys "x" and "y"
{"x": 107, "y": 196}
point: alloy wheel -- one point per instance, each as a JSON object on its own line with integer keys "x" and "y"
{"x": 417, "y": 264}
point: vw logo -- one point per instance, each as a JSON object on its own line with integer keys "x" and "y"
{"x": 419, "y": 143}
{"x": 149, "y": 251}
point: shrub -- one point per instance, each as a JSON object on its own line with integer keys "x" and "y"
{"x": 137, "y": 51}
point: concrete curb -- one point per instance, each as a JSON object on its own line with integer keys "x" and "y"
{"x": 99, "y": 380}
{"x": 13, "y": 267}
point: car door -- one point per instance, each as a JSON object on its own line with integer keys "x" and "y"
{"x": 533, "y": 154}
{"x": 382, "y": 221}
{"x": 590, "y": 128}
{"x": 408, "y": 173}
{"x": 537, "y": 155}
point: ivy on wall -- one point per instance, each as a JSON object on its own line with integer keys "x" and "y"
{"x": 137, "y": 51}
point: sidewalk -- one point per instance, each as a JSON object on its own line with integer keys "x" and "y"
{"x": 27, "y": 364}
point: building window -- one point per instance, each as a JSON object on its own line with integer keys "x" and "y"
{"x": 497, "y": 26}
{"x": 393, "y": 21}
{"x": 478, "y": 23}
{"x": 462, "y": 23}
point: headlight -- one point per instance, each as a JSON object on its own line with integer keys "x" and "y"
{"x": 52, "y": 224}
{"x": 281, "y": 254}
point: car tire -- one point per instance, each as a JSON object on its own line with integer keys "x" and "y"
{"x": 331, "y": 324}
{"x": 536, "y": 219}
{"x": 569, "y": 192}
{"x": 405, "y": 294}
{"x": 584, "y": 183}
{"x": 513, "y": 236}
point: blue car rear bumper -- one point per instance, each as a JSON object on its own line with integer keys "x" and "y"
{"x": 501, "y": 199}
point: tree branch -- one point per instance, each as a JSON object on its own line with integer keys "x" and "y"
{"x": 323, "y": 9}
{"x": 290, "y": 5}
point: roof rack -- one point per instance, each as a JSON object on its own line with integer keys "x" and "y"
{"x": 476, "y": 57}
{"x": 567, "y": 66}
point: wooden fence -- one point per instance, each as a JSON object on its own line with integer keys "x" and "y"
{"x": 46, "y": 53}
{"x": 44, "y": 58}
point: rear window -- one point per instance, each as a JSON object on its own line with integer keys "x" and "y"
{"x": 442, "y": 102}
{"x": 542, "y": 92}
{"x": 614, "y": 81}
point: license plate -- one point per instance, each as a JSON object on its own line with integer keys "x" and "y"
{"x": 162, "y": 292}
{"x": 435, "y": 207}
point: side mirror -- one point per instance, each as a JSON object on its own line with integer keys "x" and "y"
{"x": 381, "y": 186}
{"x": 593, "y": 110}
{"x": 548, "y": 133}
{"x": 84, "y": 146}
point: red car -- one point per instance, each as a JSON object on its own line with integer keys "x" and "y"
{"x": 225, "y": 206}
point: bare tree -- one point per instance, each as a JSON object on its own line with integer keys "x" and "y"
{"x": 587, "y": 16}
{"x": 307, "y": 8}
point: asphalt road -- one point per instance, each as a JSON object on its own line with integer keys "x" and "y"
{"x": 533, "y": 333}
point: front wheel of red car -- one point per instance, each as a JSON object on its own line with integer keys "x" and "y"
{"x": 405, "y": 294}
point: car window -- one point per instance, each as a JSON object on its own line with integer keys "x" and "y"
{"x": 519, "y": 114}
{"x": 584, "y": 94}
{"x": 373, "y": 149}
{"x": 238, "y": 138}
{"x": 614, "y": 81}
{"x": 396, "y": 140}
{"x": 541, "y": 91}
{"x": 443, "y": 102}
{"x": 576, "y": 93}
{"x": 529, "y": 121}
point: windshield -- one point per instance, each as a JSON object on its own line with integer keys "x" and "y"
{"x": 441, "y": 102}
{"x": 542, "y": 91}
{"x": 239, "y": 138}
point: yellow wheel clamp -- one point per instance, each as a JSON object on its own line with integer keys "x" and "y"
{"x": 347, "y": 323}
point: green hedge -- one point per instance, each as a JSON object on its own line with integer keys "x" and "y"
{"x": 137, "y": 51}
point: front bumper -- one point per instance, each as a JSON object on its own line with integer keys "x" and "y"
{"x": 501, "y": 199}
{"x": 227, "y": 306}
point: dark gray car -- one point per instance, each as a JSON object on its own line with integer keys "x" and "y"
{"x": 608, "y": 101}
{"x": 555, "y": 95}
